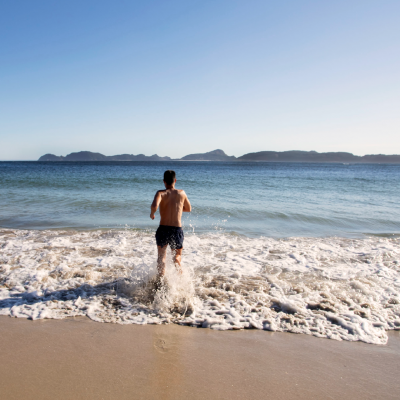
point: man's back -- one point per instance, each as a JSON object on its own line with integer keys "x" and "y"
{"x": 171, "y": 206}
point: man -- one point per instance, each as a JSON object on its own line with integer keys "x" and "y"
{"x": 172, "y": 203}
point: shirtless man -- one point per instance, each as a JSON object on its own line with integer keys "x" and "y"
{"x": 172, "y": 203}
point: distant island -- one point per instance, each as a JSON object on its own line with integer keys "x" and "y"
{"x": 219, "y": 155}
{"x": 215, "y": 155}
{"x": 89, "y": 156}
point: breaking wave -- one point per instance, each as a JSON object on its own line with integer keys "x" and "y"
{"x": 337, "y": 288}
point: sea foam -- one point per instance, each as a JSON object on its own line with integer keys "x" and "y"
{"x": 337, "y": 288}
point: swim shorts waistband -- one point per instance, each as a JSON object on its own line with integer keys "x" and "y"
{"x": 170, "y": 227}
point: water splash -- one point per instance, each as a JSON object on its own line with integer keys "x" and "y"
{"x": 338, "y": 288}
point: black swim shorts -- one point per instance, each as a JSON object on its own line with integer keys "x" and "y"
{"x": 172, "y": 235}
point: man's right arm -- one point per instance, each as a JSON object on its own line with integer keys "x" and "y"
{"x": 155, "y": 204}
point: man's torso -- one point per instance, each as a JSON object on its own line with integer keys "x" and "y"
{"x": 171, "y": 207}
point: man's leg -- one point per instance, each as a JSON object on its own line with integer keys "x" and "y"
{"x": 177, "y": 259}
{"x": 162, "y": 256}
{"x": 177, "y": 248}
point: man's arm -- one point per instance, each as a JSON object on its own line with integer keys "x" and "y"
{"x": 154, "y": 205}
{"x": 187, "y": 207}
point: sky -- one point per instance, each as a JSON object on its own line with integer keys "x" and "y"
{"x": 179, "y": 77}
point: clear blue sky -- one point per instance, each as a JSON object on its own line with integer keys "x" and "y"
{"x": 177, "y": 77}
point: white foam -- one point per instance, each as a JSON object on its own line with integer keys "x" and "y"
{"x": 343, "y": 289}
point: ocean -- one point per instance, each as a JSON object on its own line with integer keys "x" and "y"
{"x": 304, "y": 248}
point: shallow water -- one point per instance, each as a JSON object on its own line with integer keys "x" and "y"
{"x": 339, "y": 288}
{"x": 311, "y": 249}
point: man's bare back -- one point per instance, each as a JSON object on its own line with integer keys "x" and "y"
{"x": 172, "y": 203}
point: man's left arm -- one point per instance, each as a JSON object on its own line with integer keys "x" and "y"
{"x": 187, "y": 207}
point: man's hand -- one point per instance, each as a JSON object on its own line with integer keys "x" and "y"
{"x": 152, "y": 215}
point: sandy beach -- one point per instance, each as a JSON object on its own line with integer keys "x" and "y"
{"x": 77, "y": 358}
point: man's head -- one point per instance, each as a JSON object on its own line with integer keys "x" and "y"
{"x": 169, "y": 177}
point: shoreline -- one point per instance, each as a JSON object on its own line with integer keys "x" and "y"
{"x": 189, "y": 231}
{"x": 81, "y": 359}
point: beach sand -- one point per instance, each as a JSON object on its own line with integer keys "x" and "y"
{"x": 77, "y": 358}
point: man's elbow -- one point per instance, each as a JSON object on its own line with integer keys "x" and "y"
{"x": 187, "y": 209}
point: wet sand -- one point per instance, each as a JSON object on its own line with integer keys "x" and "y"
{"x": 77, "y": 358}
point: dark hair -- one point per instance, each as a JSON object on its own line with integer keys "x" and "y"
{"x": 169, "y": 177}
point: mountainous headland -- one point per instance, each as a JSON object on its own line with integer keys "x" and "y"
{"x": 313, "y": 156}
{"x": 89, "y": 156}
{"x": 219, "y": 155}
{"x": 215, "y": 155}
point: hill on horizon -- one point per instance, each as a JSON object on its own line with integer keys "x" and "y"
{"x": 215, "y": 155}
{"x": 90, "y": 156}
{"x": 220, "y": 155}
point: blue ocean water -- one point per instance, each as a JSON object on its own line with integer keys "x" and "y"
{"x": 304, "y": 248}
{"x": 253, "y": 199}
